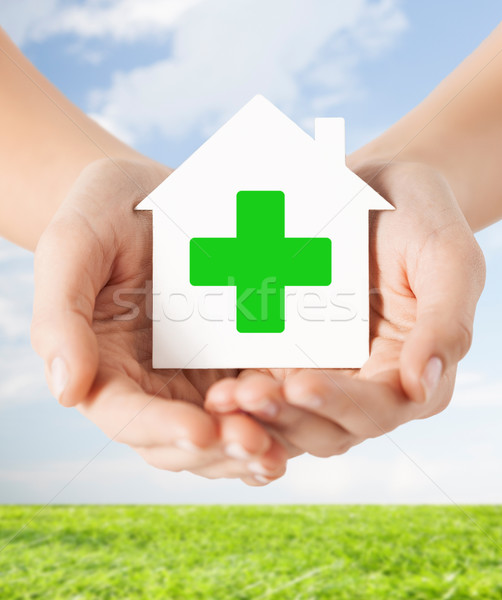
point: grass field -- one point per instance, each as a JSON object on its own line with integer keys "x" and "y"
{"x": 241, "y": 552}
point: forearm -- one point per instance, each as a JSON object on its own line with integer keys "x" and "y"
{"x": 457, "y": 129}
{"x": 45, "y": 143}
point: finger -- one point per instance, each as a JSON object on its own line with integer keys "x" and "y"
{"x": 263, "y": 467}
{"x": 210, "y": 463}
{"x": 171, "y": 458}
{"x": 255, "y": 481}
{"x": 265, "y": 390}
{"x": 363, "y": 408}
{"x": 120, "y": 408}
{"x": 448, "y": 281}
{"x": 177, "y": 435}
{"x": 214, "y": 464}
{"x": 242, "y": 437}
{"x": 68, "y": 275}
{"x": 220, "y": 396}
{"x": 261, "y": 396}
{"x": 271, "y": 465}
{"x": 267, "y": 468}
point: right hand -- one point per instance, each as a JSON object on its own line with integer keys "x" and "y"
{"x": 96, "y": 247}
{"x": 429, "y": 272}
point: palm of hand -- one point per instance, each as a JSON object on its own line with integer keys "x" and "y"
{"x": 105, "y": 275}
{"x": 123, "y": 325}
{"x": 421, "y": 256}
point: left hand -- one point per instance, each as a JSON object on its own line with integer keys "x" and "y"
{"x": 428, "y": 272}
{"x": 92, "y": 326}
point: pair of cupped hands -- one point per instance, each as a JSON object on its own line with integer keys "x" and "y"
{"x": 426, "y": 275}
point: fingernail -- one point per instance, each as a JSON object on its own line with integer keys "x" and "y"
{"x": 261, "y": 479}
{"x": 431, "y": 376}
{"x": 269, "y": 410}
{"x": 236, "y": 450}
{"x": 185, "y": 444}
{"x": 258, "y": 468}
{"x": 308, "y": 401}
{"x": 59, "y": 377}
{"x": 265, "y": 407}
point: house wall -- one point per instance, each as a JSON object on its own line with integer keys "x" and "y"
{"x": 325, "y": 325}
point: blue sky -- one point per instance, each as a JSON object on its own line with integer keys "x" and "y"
{"x": 163, "y": 78}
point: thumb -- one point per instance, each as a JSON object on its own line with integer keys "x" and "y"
{"x": 68, "y": 265}
{"x": 449, "y": 279}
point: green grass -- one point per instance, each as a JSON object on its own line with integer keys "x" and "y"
{"x": 276, "y": 552}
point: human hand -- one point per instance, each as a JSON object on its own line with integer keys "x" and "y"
{"x": 426, "y": 275}
{"x": 92, "y": 264}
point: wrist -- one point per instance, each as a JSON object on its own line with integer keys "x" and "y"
{"x": 377, "y": 156}
{"x": 133, "y": 178}
{"x": 116, "y": 180}
{"x": 384, "y": 153}
{"x": 129, "y": 167}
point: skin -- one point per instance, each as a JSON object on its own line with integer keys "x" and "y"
{"x": 77, "y": 319}
{"x": 440, "y": 160}
{"x": 456, "y": 130}
{"x": 80, "y": 178}
{"x": 424, "y": 261}
{"x": 429, "y": 273}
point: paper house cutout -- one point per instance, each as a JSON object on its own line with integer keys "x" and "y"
{"x": 260, "y": 249}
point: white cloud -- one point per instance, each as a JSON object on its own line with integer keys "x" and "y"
{"x": 297, "y": 53}
{"x": 466, "y": 378}
{"x": 21, "y": 372}
{"x": 119, "y": 130}
{"x": 10, "y": 252}
{"x": 302, "y": 54}
{"x": 490, "y": 240}
{"x": 477, "y": 388}
{"x": 119, "y": 476}
{"x": 13, "y": 321}
{"x": 478, "y": 392}
{"x": 118, "y": 20}
{"x": 22, "y": 379}
{"x": 16, "y": 295}
{"x": 21, "y": 18}
{"x": 223, "y": 53}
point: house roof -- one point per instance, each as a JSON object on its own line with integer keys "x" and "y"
{"x": 261, "y": 148}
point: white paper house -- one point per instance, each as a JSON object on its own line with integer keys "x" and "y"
{"x": 202, "y": 290}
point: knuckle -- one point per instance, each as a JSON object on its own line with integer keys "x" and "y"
{"x": 336, "y": 447}
{"x": 344, "y": 446}
{"x": 463, "y": 336}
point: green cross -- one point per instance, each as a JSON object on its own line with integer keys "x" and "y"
{"x": 260, "y": 261}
